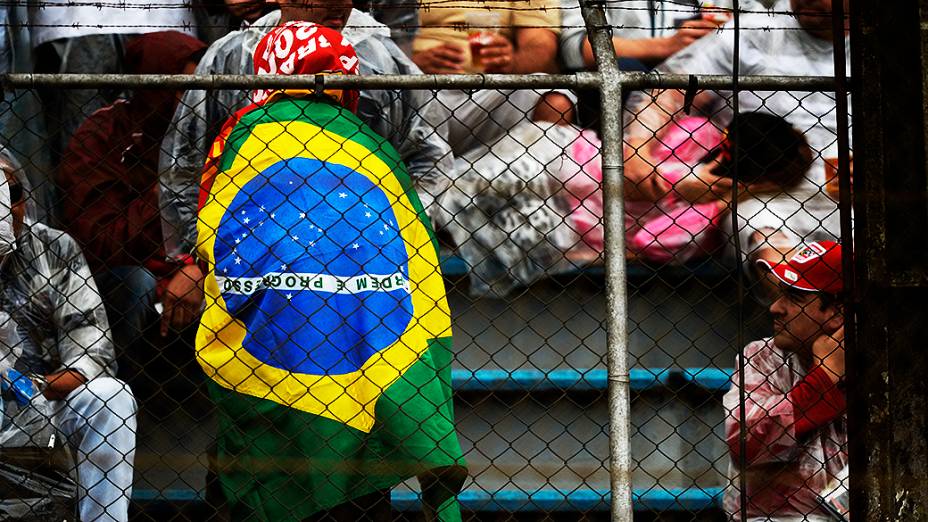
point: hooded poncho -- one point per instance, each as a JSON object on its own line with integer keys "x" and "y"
{"x": 327, "y": 333}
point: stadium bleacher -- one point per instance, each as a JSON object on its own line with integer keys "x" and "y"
{"x": 530, "y": 399}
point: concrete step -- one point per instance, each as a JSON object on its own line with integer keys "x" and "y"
{"x": 678, "y": 316}
{"x": 527, "y": 431}
{"x": 560, "y": 440}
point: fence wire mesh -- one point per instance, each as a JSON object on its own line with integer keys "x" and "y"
{"x": 238, "y": 303}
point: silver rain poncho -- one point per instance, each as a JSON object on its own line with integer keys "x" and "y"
{"x": 397, "y": 115}
{"x": 7, "y": 239}
{"x": 51, "y": 313}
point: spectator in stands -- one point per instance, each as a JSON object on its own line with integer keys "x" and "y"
{"x": 47, "y": 289}
{"x": 535, "y": 206}
{"x": 772, "y": 160}
{"x": 331, "y": 198}
{"x": 109, "y": 176}
{"x": 771, "y": 44}
{"x": 401, "y": 17}
{"x": 398, "y": 115}
{"x": 512, "y": 37}
{"x": 644, "y": 33}
{"x": 247, "y": 12}
{"x": 86, "y": 38}
{"x": 795, "y": 425}
{"x": 217, "y": 19}
{"x": 22, "y": 118}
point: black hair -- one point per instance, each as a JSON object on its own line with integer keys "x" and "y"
{"x": 827, "y": 299}
{"x": 17, "y": 194}
{"x": 771, "y": 150}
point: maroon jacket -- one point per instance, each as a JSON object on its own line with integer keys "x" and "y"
{"x": 108, "y": 178}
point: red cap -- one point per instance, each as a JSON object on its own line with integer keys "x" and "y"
{"x": 815, "y": 268}
{"x": 306, "y": 48}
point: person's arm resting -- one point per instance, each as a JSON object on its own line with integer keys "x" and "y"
{"x": 812, "y": 403}
{"x": 766, "y": 430}
{"x": 83, "y": 339}
{"x": 427, "y": 156}
{"x": 817, "y": 401}
{"x": 535, "y": 51}
{"x": 650, "y": 112}
{"x": 61, "y": 384}
{"x": 183, "y": 153}
{"x": 647, "y": 113}
{"x": 653, "y": 50}
{"x": 645, "y": 49}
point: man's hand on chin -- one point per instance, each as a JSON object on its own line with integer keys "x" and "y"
{"x": 828, "y": 351}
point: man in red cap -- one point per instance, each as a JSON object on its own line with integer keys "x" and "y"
{"x": 795, "y": 425}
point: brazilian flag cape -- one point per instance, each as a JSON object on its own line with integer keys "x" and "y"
{"x": 327, "y": 334}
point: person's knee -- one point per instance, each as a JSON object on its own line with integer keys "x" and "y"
{"x": 555, "y": 107}
{"x": 110, "y": 398}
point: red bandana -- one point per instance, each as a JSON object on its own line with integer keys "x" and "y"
{"x": 306, "y": 48}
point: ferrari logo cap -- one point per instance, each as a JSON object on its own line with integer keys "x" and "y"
{"x": 816, "y": 267}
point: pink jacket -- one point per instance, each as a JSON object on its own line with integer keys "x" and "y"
{"x": 670, "y": 230}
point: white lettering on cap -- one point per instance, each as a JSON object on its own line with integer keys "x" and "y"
{"x": 810, "y": 251}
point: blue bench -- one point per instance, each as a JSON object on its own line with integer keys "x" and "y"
{"x": 509, "y": 501}
{"x": 712, "y": 380}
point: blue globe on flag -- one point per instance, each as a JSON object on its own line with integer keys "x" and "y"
{"x": 309, "y": 255}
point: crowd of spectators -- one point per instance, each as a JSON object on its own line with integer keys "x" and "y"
{"x": 127, "y": 165}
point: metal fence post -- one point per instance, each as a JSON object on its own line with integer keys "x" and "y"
{"x": 610, "y": 90}
{"x": 887, "y": 413}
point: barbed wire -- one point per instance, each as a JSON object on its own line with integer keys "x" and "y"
{"x": 427, "y": 5}
{"x": 192, "y": 27}
{"x": 683, "y": 9}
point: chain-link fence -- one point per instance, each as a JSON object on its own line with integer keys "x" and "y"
{"x": 645, "y": 304}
